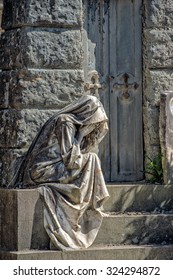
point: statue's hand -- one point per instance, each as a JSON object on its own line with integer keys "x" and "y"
{"x": 83, "y": 131}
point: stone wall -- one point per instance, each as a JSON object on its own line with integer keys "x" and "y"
{"x": 41, "y": 60}
{"x": 158, "y": 66}
{"x": 42, "y": 69}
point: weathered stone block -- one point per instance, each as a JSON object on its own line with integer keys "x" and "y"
{"x": 24, "y": 209}
{"x": 155, "y": 83}
{"x": 158, "y": 48}
{"x": 166, "y": 135}
{"x": 41, "y": 48}
{"x": 151, "y": 125}
{"x": 136, "y": 229}
{"x": 10, "y": 161}
{"x": 40, "y": 88}
{"x": 18, "y": 128}
{"x": 159, "y": 13}
{"x": 22, "y": 219}
{"x": 57, "y": 12}
{"x": 132, "y": 198}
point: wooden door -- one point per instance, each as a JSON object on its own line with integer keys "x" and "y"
{"x": 113, "y": 49}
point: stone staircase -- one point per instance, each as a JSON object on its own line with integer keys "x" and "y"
{"x": 137, "y": 225}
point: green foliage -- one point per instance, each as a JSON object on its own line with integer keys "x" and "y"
{"x": 153, "y": 167}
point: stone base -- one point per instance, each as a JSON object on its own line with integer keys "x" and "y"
{"x": 96, "y": 253}
{"x": 21, "y": 220}
{"x": 136, "y": 214}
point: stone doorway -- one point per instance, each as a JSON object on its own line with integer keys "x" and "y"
{"x": 113, "y": 66}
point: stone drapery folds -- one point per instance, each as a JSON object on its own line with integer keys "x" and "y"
{"x": 62, "y": 165}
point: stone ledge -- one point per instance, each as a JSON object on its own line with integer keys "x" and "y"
{"x": 136, "y": 228}
{"x": 96, "y": 253}
{"x": 139, "y": 197}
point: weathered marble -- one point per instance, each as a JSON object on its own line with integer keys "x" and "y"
{"x": 58, "y": 12}
{"x": 62, "y": 164}
{"x": 43, "y": 89}
{"x": 41, "y": 48}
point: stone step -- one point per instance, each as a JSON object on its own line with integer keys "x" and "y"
{"x": 136, "y": 229}
{"x": 100, "y": 252}
{"x": 25, "y": 229}
{"x": 139, "y": 197}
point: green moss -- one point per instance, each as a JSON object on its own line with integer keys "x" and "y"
{"x": 153, "y": 167}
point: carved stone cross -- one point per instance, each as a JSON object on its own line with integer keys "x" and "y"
{"x": 125, "y": 87}
{"x": 95, "y": 85}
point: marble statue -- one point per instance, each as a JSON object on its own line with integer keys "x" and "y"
{"x": 62, "y": 165}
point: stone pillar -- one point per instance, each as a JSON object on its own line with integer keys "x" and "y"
{"x": 166, "y": 135}
{"x": 41, "y": 60}
{"x": 158, "y": 70}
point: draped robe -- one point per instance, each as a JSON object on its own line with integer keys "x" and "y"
{"x": 67, "y": 173}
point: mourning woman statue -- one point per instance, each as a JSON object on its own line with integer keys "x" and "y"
{"x": 61, "y": 163}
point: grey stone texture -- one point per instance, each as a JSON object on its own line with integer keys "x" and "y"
{"x": 157, "y": 66}
{"x": 135, "y": 229}
{"x": 157, "y": 82}
{"x": 43, "y": 48}
{"x": 47, "y": 35}
{"x": 41, "y": 56}
{"x": 25, "y": 230}
{"x": 19, "y": 127}
{"x": 166, "y": 135}
{"x": 151, "y": 120}
{"x": 10, "y": 161}
{"x": 139, "y": 198}
{"x": 18, "y": 13}
{"x": 29, "y": 96}
{"x": 30, "y": 88}
{"x": 158, "y": 47}
{"x": 159, "y": 13}
{"x": 135, "y": 252}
